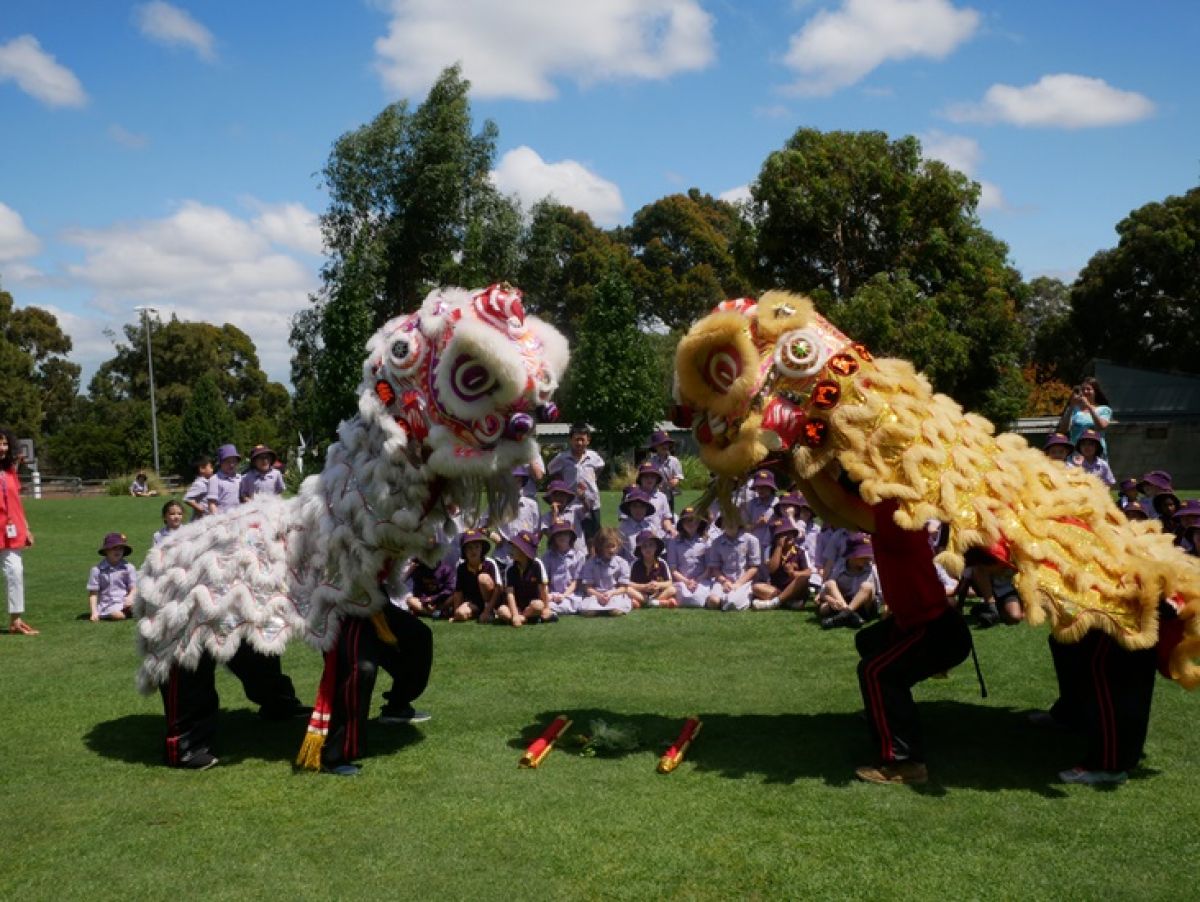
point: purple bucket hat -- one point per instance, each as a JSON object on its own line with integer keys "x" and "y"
{"x": 859, "y": 546}
{"x": 227, "y": 451}
{"x": 474, "y": 535}
{"x": 1130, "y": 483}
{"x": 557, "y": 485}
{"x": 527, "y": 542}
{"x": 793, "y": 499}
{"x": 115, "y": 540}
{"x": 660, "y": 437}
{"x": 1057, "y": 440}
{"x": 764, "y": 479}
{"x": 1090, "y": 435}
{"x": 782, "y": 526}
{"x": 522, "y": 472}
{"x": 647, "y": 535}
{"x": 1136, "y": 510}
{"x": 1189, "y": 510}
{"x": 648, "y": 467}
{"x": 1159, "y": 479}
{"x": 633, "y": 495}
{"x": 558, "y": 527}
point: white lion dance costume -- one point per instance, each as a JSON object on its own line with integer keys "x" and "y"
{"x": 447, "y": 406}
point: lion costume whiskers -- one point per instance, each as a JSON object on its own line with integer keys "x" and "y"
{"x": 446, "y": 409}
{"x": 774, "y": 378}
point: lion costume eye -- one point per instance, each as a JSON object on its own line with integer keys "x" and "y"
{"x": 800, "y": 353}
{"x": 404, "y": 354}
{"x": 471, "y": 379}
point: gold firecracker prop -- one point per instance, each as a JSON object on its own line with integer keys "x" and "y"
{"x": 541, "y": 747}
{"x": 672, "y": 756}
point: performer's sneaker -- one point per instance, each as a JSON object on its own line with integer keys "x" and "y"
{"x": 200, "y": 759}
{"x": 410, "y": 716}
{"x": 1093, "y": 777}
{"x": 343, "y": 770}
{"x": 906, "y": 773}
{"x": 765, "y": 604}
{"x": 846, "y": 618}
{"x": 987, "y": 614}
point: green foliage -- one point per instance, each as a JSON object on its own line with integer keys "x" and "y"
{"x": 1138, "y": 304}
{"x": 37, "y": 383}
{"x": 613, "y": 382}
{"x": 206, "y": 424}
{"x": 119, "y": 485}
{"x": 696, "y": 475}
{"x": 890, "y": 247}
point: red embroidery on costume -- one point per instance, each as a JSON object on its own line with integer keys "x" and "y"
{"x": 383, "y": 390}
{"x": 843, "y": 364}
{"x": 815, "y": 433}
{"x": 826, "y": 395}
{"x": 862, "y": 351}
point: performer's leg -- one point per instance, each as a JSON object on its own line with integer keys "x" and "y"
{"x": 1071, "y": 666}
{"x": 1120, "y": 691}
{"x": 265, "y": 683}
{"x": 356, "y": 672}
{"x": 190, "y": 703}
{"x": 409, "y": 663}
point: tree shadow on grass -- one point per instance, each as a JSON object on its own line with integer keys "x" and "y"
{"x": 970, "y": 746}
{"x": 241, "y": 736}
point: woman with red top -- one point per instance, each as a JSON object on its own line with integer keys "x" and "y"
{"x": 17, "y": 536}
{"x": 923, "y": 636}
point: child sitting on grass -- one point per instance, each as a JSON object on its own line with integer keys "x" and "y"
{"x": 526, "y": 584}
{"x": 732, "y": 561}
{"x": 429, "y": 587}
{"x": 851, "y": 595}
{"x": 172, "y": 517}
{"x": 650, "y": 575}
{"x": 111, "y": 583}
{"x": 639, "y": 516}
{"x": 686, "y": 554}
{"x": 476, "y": 582}
{"x": 562, "y": 562}
{"x": 989, "y": 571}
{"x": 788, "y": 567}
{"x": 564, "y": 507}
{"x": 604, "y": 580}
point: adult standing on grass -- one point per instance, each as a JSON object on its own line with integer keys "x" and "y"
{"x": 1087, "y": 409}
{"x": 17, "y": 536}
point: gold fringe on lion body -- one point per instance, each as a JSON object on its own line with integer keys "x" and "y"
{"x": 775, "y": 378}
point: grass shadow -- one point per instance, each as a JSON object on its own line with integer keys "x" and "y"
{"x": 971, "y": 746}
{"x": 241, "y": 736}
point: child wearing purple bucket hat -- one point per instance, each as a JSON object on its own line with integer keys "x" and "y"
{"x": 1127, "y": 492}
{"x": 262, "y": 478}
{"x": 732, "y": 563}
{"x": 563, "y": 505}
{"x": 662, "y": 454}
{"x": 686, "y": 557}
{"x": 650, "y": 481}
{"x": 650, "y": 575}
{"x": 788, "y": 567}
{"x": 527, "y": 587}
{"x": 563, "y": 561}
{"x": 525, "y": 519}
{"x": 639, "y": 516}
{"x": 112, "y": 582}
{"x": 1091, "y": 457}
{"x": 477, "y": 581}
{"x": 851, "y": 594}
{"x": 1058, "y": 446}
{"x": 224, "y": 486}
{"x": 759, "y": 511}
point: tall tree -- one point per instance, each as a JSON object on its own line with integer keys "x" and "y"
{"x": 614, "y": 381}
{"x": 689, "y": 245}
{"x": 890, "y": 247}
{"x": 205, "y": 425}
{"x": 410, "y": 207}
{"x": 38, "y": 384}
{"x": 1138, "y": 304}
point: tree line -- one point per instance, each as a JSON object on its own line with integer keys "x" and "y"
{"x": 887, "y": 242}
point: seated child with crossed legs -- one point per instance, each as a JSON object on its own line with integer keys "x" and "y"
{"x": 604, "y": 580}
{"x": 527, "y": 589}
{"x": 851, "y": 595}
{"x": 476, "y": 582}
{"x": 650, "y": 574}
{"x": 112, "y": 582}
{"x": 788, "y": 569}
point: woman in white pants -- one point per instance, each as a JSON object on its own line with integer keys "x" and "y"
{"x": 16, "y": 535}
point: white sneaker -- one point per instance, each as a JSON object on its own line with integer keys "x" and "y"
{"x": 765, "y": 604}
{"x": 653, "y": 603}
{"x": 1092, "y": 777}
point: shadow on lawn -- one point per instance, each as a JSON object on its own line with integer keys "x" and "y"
{"x": 241, "y": 735}
{"x": 970, "y": 746}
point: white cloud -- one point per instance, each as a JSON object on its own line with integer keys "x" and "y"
{"x": 517, "y": 48}
{"x": 1056, "y": 101}
{"x": 291, "y": 225}
{"x": 173, "y": 26}
{"x": 963, "y": 153}
{"x": 203, "y": 264}
{"x": 524, "y": 173}
{"x": 738, "y": 195}
{"x": 126, "y": 138}
{"x": 38, "y": 74}
{"x": 836, "y": 49}
{"x": 16, "y": 240}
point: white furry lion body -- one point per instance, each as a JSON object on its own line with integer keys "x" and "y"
{"x": 446, "y": 410}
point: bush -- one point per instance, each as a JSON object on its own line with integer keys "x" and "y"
{"x": 119, "y": 485}
{"x": 622, "y": 474}
{"x": 695, "y": 474}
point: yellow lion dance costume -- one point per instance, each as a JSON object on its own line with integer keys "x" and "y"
{"x": 775, "y": 379}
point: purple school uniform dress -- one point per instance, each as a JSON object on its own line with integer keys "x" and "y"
{"x": 687, "y": 556}
{"x": 526, "y": 584}
{"x": 256, "y": 483}
{"x": 573, "y": 513}
{"x": 1099, "y": 468}
{"x": 163, "y": 534}
{"x": 112, "y": 585}
{"x": 564, "y": 466}
{"x": 198, "y": 492}
{"x": 525, "y": 520}
{"x": 598, "y": 573}
{"x": 732, "y": 558}
{"x": 849, "y": 583}
{"x": 671, "y": 468}
{"x": 224, "y": 491}
{"x": 831, "y": 544}
{"x": 561, "y": 571}
{"x": 753, "y": 511}
{"x": 629, "y": 529}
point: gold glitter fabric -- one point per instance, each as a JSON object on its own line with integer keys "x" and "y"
{"x": 774, "y": 380}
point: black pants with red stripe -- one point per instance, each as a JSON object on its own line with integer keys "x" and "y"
{"x": 1106, "y": 691}
{"x": 895, "y": 660}
{"x": 360, "y": 655}
{"x": 191, "y": 703}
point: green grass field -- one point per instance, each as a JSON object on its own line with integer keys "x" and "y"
{"x": 764, "y": 806}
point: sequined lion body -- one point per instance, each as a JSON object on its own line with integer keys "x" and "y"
{"x": 774, "y": 379}
{"x": 446, "y": 409}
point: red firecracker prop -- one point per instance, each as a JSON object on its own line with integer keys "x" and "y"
{"x": 672, "y": 756}
{"x": 541, "y": 746}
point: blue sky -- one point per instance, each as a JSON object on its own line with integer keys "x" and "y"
{"x": 164, "y": 153}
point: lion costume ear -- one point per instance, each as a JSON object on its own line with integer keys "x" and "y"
{"x": 782, "y": 311}
{"x": 717, "y": 365}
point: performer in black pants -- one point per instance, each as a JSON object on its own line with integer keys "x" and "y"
{"x": 191, "y": 703}
{"x": 361, "y": 652}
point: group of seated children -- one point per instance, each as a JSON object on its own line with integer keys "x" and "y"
{"x": 213, "y": 492}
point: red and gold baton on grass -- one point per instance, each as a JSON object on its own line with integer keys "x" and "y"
{"x": 672, "y": 756}
{"x": 541, "y": 746}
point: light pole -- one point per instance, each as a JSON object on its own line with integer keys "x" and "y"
{"x": 146, "y": 311}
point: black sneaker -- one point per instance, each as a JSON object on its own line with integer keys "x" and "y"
{"x": 410, "y": 716}
{"x": 200, "y": 759}
{"x": 987, "y": 615}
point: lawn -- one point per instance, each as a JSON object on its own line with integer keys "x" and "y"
{"x": 764, "y": 806}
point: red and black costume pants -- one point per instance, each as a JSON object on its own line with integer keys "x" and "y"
{"x": 360, "y": 654}
{"x": 1105, "y": 690}
{"x": 190, "y": 699}
{"x": 893, "y": 661}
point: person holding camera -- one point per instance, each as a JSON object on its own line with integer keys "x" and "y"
{"x": 1087, "y": 409}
